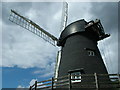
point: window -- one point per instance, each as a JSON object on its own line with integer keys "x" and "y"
{"x": 76, "y": 76}
{"x": 91, "y": 53}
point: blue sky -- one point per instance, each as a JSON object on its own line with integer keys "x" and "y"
{"x": 14, "y": 76}
{"x": 26, "y": 57}
{"x": 18, "y": 75}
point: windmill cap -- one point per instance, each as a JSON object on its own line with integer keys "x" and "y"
{"x": 75, "y": 27}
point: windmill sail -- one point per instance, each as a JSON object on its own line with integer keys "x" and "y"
{"x": 64, "y": 16}
{"x": 32, "y": 27}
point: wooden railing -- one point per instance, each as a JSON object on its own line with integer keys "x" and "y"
{"x": 91, "y": 81}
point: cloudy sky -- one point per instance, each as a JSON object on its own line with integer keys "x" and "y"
{"x": 26, "y": 57}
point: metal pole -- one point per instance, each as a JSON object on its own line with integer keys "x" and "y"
{"x": 35, "y": 85}
{"x": 69, "y": 81}
{"x": 52, "y": 83}
{"x": 96, "y": 81}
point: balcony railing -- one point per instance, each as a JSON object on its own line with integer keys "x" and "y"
{"x": 94, "y": 81}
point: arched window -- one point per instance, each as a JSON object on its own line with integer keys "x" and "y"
{"x": 90, "y": 52}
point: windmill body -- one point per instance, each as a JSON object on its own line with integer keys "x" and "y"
{"x": 79, "y": 49}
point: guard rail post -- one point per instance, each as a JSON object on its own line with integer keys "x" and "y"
{"x": 69, "y": 76}
{"x": 96, "y": 81}
{"x": 52, "y": 83}
{"x": 35, "y": 85}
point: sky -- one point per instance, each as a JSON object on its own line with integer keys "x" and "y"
{"x": 26, "y": 57}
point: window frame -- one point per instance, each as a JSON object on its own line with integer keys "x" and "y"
{"x": 90, "y": 52}
{"x": 76, "y": 77}
{"x": 72, "y": 72}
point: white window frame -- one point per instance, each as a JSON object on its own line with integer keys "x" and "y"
{"x": 76, "y": 77}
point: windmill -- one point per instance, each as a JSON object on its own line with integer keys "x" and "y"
{"x": 79, "y": 53}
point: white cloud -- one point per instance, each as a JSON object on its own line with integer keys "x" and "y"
{"x": 0, "y": 43}
{"x": 109, "y": 51}
{"x": 19, "y": 86}
{"x": 57, "y": 15}
{"x": 31, "y": 13}
{"x": 32, "y": 82}
{"x": 79, "y": 11}
{"x": 25, "y": 50}
{"x": 48, "y": 71}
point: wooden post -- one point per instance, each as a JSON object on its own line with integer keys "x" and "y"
{"x": 69, "y": 76}
{"x": 96, "y": 81}
{"x": 30, "y": 88}
{"x": 35, "y": 85}
{"x": 52, "y": 83}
